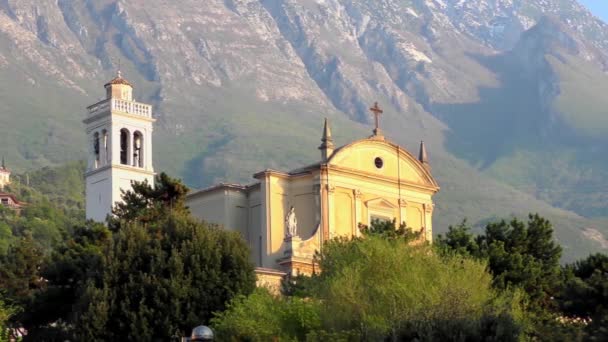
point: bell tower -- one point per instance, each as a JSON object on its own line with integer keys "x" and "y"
{"x": 119, "y": 138}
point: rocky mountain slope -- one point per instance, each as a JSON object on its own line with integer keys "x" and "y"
{"x": 508, "y": 94}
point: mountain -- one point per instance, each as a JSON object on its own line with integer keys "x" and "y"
{"x": 507, "y": 94}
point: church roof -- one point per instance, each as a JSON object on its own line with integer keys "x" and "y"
{"x": 230, "y": 186}
{"x": 15, "y": 201}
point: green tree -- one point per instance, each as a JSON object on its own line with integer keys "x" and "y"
{"x": 67, "y": 272}
{"x": 389, "y": 230}
{"x": 585, "y": 295}
{"x": 6, "y": 312}
{"x": 459, "y": 239}
{"x": 20, "y": 278}
{"x": 163, "y": 272}
{"x": 263, "y": 316}
{"x": 379, "y": 288}
{"x": 518, "y": 254}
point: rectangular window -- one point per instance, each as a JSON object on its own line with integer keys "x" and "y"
{"x": 5, "y": 201}
{"x": 375, "y": 217}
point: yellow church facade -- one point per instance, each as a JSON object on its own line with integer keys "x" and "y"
{"x": 286, "y": 216}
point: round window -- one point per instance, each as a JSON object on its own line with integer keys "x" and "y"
{"x": 379, "y": 162}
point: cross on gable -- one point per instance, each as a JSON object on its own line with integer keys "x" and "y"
{"x": 376, "y": 111}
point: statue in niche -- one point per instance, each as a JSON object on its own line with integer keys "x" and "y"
{"x": 291, "y": 222}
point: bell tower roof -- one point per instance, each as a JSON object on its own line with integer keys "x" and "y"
{"x": 118, "y": 80}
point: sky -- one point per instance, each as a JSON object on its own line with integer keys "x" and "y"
{"x": 598, "y": 7}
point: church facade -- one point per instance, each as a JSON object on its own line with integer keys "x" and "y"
{"x": 285, "y": 216}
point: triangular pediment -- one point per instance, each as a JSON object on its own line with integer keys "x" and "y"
{"x": 380, "y": 203}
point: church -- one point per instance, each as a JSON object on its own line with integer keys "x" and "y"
{"x": 285, "y": 216}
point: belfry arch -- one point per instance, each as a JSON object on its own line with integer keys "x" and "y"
{"x": 125, "y": 146}
{"x": 138, "y": 149}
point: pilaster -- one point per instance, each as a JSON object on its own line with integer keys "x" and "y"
{"x": 402, "y": 211}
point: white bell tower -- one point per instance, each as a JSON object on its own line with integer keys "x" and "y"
{"x": 119, "y": 136}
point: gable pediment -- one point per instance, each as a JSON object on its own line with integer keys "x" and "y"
{"x": 382, "y": 159}
{"x": 380, "y": 203}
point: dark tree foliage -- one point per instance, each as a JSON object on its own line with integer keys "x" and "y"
{"x": 145, "y": 204}
{"x": 19, "y": 277}
{"x": 526, "y": 256}
{"x": 164, "y": 272}
{"x": 519, "y": 255}
{"x": 66, "y": 271}
{"x": 585, "y": 294}
{"x": 389, "y": 230}
{"x": 459, "y": 240}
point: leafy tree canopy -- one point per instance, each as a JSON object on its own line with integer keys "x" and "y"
{"x": 379, "y": 288}
{"x": 163, "y": 272}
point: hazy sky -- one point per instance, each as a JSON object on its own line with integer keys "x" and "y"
{"x": 598, "y": 7}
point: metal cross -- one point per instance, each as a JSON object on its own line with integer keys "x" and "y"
{"x": 119, "y": 61}
{"x": 377, "y": 111}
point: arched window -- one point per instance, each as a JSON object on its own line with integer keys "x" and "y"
{"x": 96, "y": 148}
{"x": 138, "y": 149}
{"x": 104, "y": 145}
{"x": 124, "y": 146}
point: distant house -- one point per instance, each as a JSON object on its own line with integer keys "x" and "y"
{"x": 10, "y": 201}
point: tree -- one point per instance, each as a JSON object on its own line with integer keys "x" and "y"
{"x": 163, "y": 271}
{"x": 20, "y": 278}
{"x": 459, "y": 240}
{"x": 389, "y": 230}
{"x": 585, "y": 294}
{"x": 67, "y": 272}
{"x": 6, "y": 312}
{"x": 379, "y": 288}
{"x": 145, "y": 203}
{"x": 518, "y": 254}
{"x": 263, "y": 316}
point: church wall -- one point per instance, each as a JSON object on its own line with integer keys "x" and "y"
{"x": 209, "y": 207}
{"x": 415, "y": 217}
{"x": 278, "y": 193}
{"x": 357, "y": 199}
{"x": 236, "y": 211}
{"x": 254, "y": 221}
{"x": 301, "y": 196}
{"x": 99, "y": 200}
